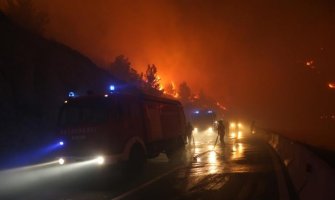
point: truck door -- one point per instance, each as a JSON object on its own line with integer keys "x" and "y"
{"x": 153, "y": 121}
{"x": 130, "y": 117}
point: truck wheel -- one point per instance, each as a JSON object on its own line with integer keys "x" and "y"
{"x": 136, "y": 160}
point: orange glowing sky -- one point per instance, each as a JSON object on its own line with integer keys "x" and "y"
{"x": 251, "y": 56}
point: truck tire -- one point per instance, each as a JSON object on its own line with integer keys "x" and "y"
{"x": 137, "y": 159}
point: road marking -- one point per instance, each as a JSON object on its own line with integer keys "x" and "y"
{"x": 146, "y": 183}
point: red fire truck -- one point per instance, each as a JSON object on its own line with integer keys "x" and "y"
{"x": 119, "y": 127}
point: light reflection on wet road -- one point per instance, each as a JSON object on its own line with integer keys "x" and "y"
{"x": 241, "y": 168}
{"x": 234, "y": 156}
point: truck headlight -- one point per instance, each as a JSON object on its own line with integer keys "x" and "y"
{"x": 100, "y": 160}
{"x": 61, "y": 161}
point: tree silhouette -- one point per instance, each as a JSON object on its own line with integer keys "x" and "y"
{"x": 121, "y": 69}
{"x": 184, "y": 92}
{"x": 203, "y": 100}
{"x": 152, "y": 78}
{"x": 23, "y": 13}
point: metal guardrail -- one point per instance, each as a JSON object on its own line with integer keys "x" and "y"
{"x": 312, "y": 177}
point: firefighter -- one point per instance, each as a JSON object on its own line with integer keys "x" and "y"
{"x": 221, "y": 131}
{"x": 189, "y": 130}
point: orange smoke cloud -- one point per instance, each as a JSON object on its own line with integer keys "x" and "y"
{"x": 247, "y": 55}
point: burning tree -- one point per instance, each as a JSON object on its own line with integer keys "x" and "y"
{"x": 170, "y": 89}
{"x": 152, "y": 78}
{"x": 152, "y": 81}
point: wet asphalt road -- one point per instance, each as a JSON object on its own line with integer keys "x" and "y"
{"x": 241, "y": 168}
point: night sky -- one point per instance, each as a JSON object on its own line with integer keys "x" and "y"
{"x": 270, "y": 61}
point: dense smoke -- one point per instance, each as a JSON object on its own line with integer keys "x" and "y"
{"x": 249, "y": 55}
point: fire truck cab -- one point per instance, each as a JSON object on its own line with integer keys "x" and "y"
{"x": 203, "y": 119}
{"x": 118, "y": 127}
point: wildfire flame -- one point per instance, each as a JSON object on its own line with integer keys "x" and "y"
{"x": 161, "y": 88}
{"x": 170, "y": 89}
{"x": 310, "y": 64}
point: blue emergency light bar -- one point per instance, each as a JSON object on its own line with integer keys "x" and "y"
{"x": 112, "y": 88}
{"x": 61, "y": 143}
{"x": 71, "y": 94}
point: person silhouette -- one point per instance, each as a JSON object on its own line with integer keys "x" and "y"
{"x": 221, "y": 131}
{"x": 189, "y": 130}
